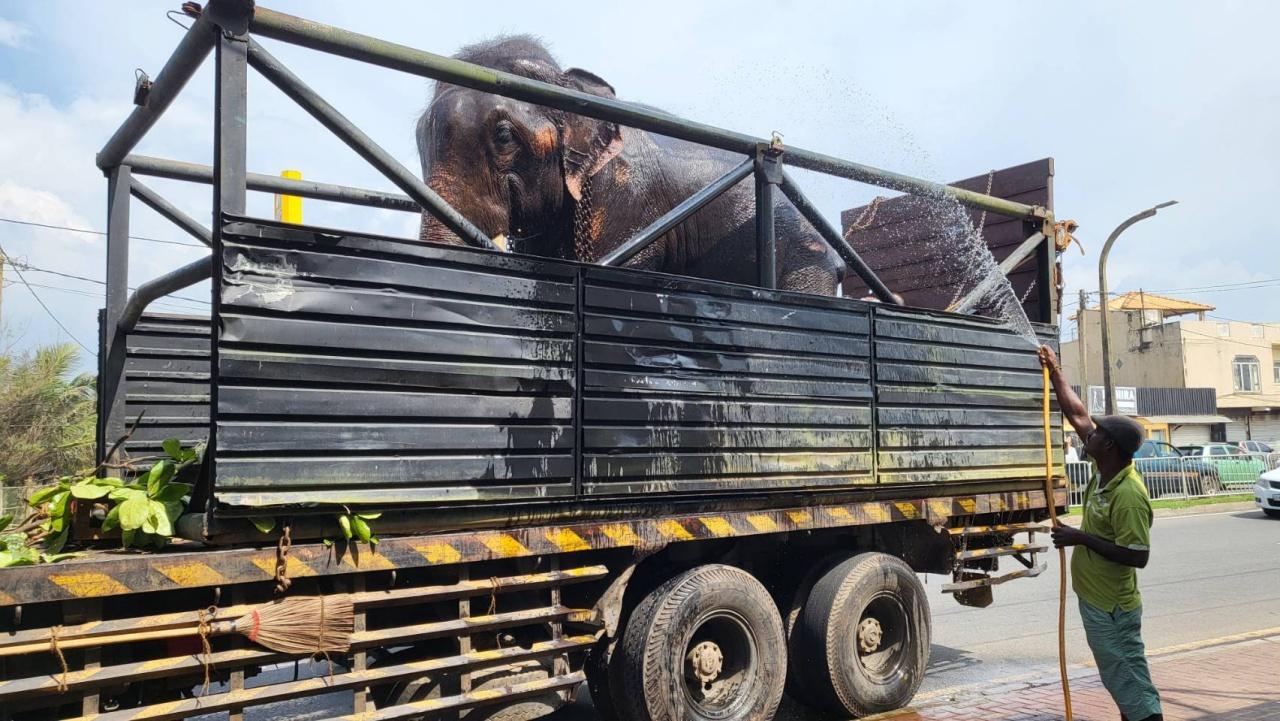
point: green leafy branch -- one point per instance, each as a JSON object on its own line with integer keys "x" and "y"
{"x": 144, "y": 508}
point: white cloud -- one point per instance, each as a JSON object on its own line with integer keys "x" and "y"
{"x": 14, "y": 34}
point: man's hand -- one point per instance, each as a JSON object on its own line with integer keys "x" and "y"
{"x": 1049, "y": 359}
{"x": 1067, "y": 536}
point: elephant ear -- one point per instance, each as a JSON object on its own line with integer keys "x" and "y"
{"x": 587, "y": 144}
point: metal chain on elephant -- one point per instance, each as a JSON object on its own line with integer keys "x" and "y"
{"x": 584, "y": 244}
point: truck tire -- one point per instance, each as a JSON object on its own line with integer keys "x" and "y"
{"x": 707, "y": 644}
{"x": 864, "y": 636}
{"x": 795, "y": 672}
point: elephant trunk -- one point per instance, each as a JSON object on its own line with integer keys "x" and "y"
{"x": 487, "y": 214}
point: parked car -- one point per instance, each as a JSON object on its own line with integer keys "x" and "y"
{"x": 1234, "y": 467}
{"x": 1267, "y": 493}
{"x": 1256, "y": 447}
{"x": 1168, "y": 473}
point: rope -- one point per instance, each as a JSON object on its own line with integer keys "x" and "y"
{"x": 866, "y": 217}
{"x": 320, "y": 649}
{"x": 495, "y": 583}
{"x": 1052, "y": 502}
{"x": 282, "y": 560}
{"x": 62, "y": 660}
{"x": 205, "y": 618}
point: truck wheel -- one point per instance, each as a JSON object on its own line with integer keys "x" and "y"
{"x": 864, "y": 636}
{"x": 596, "y": 666}
{"x": 707, "y": 644}
{"x": 796, "y": 675}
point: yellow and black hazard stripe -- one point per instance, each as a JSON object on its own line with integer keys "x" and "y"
{"x": 101, "y": 576}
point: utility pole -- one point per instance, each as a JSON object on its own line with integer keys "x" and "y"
{"x": 1080, "y": 346}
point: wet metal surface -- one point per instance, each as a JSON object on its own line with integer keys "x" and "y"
{"x": 358, "y": 369}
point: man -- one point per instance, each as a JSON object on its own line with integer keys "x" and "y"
{"x": 1113, "y": 543}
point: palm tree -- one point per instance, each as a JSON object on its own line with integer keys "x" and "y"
{"x": 46, "y": 416}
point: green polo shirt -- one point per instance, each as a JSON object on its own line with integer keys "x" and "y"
{"x": 1119, "y": 512}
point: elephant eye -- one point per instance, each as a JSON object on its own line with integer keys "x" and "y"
{"x": 503, "y": 135}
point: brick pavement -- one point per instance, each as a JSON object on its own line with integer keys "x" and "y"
{"x": 1232, "y": 682}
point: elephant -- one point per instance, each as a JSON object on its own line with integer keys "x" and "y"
{"x": 563, "y": 185}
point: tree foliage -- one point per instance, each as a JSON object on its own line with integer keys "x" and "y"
{"x": 46, "y": 414}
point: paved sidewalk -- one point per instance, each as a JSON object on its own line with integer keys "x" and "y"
{"x": 1235, "y": 681}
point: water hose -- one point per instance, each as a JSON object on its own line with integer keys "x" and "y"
{"x": 1052, "y": 502}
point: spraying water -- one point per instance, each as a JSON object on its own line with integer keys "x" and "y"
{"x": 968, "y": 259}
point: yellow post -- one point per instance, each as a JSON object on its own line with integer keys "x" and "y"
{"x": 289, "y": 207}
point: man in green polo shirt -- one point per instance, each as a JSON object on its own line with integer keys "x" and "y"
{"x": 1113, "y": 542}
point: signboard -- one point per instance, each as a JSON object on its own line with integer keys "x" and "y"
{"x": 1126, "y": 400}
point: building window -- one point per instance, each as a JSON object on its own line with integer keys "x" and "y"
{"x": 1224, "y": 330}
{"x": 1244, "y": 373}
{"x": 1275, "y": 372}
{"x": 1259, "y": 332}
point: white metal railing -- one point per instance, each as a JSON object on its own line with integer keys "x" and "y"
{"x": 1187, "y": 477}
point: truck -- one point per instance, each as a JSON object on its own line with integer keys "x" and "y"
{"x": 685, "y": 495}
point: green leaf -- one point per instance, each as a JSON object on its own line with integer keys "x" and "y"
{"x": 361, "y": 529}
{"x": 126, "y": 537}
{"x": 369, "y": 516}
{"x": 328, "y": 542}
{"x": 120, "y": 495}
{"x": 134, "y": 512}
{"x": 159, "y": 475}
{"x": 173, "y": 509}
{"x": 5, "y": 520}
{"x": 13, "y": 541}
{"x": 344, "y": 522}
{"x": 55, "y": 557}
{"x": 89, "y": 491}
{"x": 264, "y": 524}
{"x": 109, "y": 481}
{"x": 9, "y": 559}
{"x": 172, "y": 492}
{"x": 112, "y": 520}
{"x": 164, "y": 524}
{"x": 58, "y": 511}
{"x": 173, "y": 447}
{"x": 56, "y": 543}
{"x": 373, "y": 540}
{"x": 43, "y": 495}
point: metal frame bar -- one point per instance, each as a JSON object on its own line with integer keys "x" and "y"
{"x": 288, "y": 83}
{"x": 969, "y": 300}
{"x": 327, "y": 38}
{"x": 837, "y": 241}
{"x": 197, "y": 173}
{"x": 678, "y": 214}
{"x": 225, "y": 26}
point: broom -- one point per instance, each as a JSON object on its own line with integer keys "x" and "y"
{"x": 300, "y": 624}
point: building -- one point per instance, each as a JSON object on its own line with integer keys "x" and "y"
{"x": 1161, "y": 342}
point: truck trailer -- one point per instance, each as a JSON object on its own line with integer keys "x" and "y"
{"x": 686, "y": 495}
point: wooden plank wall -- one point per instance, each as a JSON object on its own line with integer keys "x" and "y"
{"x": 902, "y": 243}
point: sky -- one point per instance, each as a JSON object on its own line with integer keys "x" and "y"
{"x": 1138, "y": 103}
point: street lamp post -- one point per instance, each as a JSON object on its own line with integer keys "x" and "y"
{"x": 1110, "y": 389}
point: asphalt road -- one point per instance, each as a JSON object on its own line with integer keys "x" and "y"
{"x": 1210, "y": 576}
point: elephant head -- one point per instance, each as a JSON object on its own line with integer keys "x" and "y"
{"x": 513, "y": 168}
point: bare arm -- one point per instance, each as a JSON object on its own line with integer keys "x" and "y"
{"x": 1073, "y": 409}
{"x": 1068, "y": 536}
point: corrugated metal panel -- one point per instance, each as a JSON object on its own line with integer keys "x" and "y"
{"x": 1177, "y": 401}
{"x": 166, "y": 374}
{"x": 369, "y": 370}
{"x": 957, "y": 399}
{"x": 359, "y": 369}
{"x": 697, "y": 386}
{"x": 1265, "y": 427}
{"x": 1189, "y": 435}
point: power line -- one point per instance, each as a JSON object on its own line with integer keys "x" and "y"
{"x": 98, "y": 232}
{"x": 89, "y": 294}
{"x": 46, "y": 308}
{"x": 28, "y": 266}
